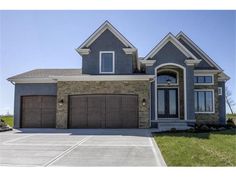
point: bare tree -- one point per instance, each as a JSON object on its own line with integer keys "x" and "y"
{"x": 230, "y": 102}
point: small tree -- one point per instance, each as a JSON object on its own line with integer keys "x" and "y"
{"x": 230, "y": 102}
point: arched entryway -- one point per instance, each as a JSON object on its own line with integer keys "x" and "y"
{"x": 170, "y": 92}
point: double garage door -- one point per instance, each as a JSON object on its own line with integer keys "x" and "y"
{"x": 85, "y": 111}
{"x": 38, "y": 111}
{"x": 103, "y": 111}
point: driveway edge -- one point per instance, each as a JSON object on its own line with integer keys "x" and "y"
{"x": 158, "y": 152}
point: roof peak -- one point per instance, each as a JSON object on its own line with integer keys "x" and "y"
{"x": 105, "y": 25}
{"x": 197, "y": 49}
{"x": 170, "y": 37}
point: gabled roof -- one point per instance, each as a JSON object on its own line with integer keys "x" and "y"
{"x": 171, "y": 38}
{"x": 106, "y": 25}
{"x": 204, "y": 56}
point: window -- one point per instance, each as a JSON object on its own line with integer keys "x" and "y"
{"x": 166, "y": 78}
{"x": 203, "y": 79}
{"x": 219, "y": 90}
{"x": 203, "y": 101}
{"x": 107, "y": 62}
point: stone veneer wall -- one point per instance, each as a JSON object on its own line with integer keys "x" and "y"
{"x": 141, "y": 88}
{"x": 208, "y": 118}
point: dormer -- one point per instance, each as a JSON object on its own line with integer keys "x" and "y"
{"x": 107, "y": 51}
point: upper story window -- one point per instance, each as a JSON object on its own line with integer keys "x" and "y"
{"x": 167, "y": 77}
{"x": 107, "y": 62}
{"x": 203, "y": 80}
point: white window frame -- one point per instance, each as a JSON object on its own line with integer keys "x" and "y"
{"x": 171, "y": 70}
{"x": 213, "y": 101}
{"x": 100, "y": 63}
{"x": 212, "y": 78}
{"x": 185, "y": 86}
{"x": 220, "y": 91}
{"x": 178, "y": 90}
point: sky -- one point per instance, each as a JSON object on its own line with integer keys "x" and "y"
{"x": 47, "y": 39}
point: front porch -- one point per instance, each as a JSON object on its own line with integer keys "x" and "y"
{"x": 172, "y": 98}
{"x": 169, "y": 123}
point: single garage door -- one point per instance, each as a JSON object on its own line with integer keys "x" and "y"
{"x": 103, "y": 111}
{"x": 38, "y": 112}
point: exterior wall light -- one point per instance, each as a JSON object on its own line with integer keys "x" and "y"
{"x": 168, "y": 81}
{"x": 144, "y": 102}
{"x": 61, "y": 102}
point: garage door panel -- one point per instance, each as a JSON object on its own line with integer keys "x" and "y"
{"x": 48, "y": 118}
{"x": 129, "y": 119}
{"x": 31, "y": 119}
{"x": 103, "y": 111}
{"x": 48, "y": 102}
{"x": 30, "y": 102}
{"x": 129, "y": 111}
{"x": 113, "y": 108}
{"x": 78, "y": 112}
{"x": 38, "y": 112}
{"x": 96, "y": 111}
{"x": 48, "y": 114}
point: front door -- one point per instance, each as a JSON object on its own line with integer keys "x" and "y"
{"x": 167, "y": 102}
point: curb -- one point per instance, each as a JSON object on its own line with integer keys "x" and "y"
{"x": 162, "y": 161}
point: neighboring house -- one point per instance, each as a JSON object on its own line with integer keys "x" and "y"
{"x": 176, "y": 84}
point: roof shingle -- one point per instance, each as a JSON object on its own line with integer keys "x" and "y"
{"x": 46, "y": 73}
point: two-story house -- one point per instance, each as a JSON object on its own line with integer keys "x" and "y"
{"x": 174, "y": 85}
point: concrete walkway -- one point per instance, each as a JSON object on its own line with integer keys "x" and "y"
{"x": 79, "y": 147}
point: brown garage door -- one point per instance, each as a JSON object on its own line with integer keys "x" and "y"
{"x": 103, "y": 111}
{"x": 38, "y": 112}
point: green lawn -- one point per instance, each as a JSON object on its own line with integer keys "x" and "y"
{"x": 233, "y": 116}
{"x": 198, "y": 149}
{"x": 8, "y": 120}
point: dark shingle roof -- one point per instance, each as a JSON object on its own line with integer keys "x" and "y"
{"x": 46, "y": 73}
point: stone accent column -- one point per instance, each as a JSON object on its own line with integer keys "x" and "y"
{"x": 62, "y": 110}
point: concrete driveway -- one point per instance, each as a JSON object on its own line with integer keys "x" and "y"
{"x": 83, "y": 147}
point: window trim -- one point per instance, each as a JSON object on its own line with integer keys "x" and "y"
{"x": 213, "y": 101}
{"x": 100, "y": 63}
{"x": 185, "y": 86}
{"x": 171, "y": 70}
{"x": 178, "y": 90}
{"x": 212, "y": 78}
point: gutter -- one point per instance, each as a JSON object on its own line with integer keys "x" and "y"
{"x": 55, "y": 79}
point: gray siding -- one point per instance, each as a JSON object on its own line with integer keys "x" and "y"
{"x": 222, "y": 104}
{"x": 168, "y": 54}
{"x": 107, "y": 42}
{"x": 171, "y": 54}
{"x": 203, "y": 64}
{"x": 30, "y": 89}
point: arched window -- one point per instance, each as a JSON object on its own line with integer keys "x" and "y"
{"x": 166, "y": 77}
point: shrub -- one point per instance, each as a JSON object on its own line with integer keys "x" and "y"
{"x": 204, "y": 128}
{"x": 231, "y": 123}
{"x": 173, "y": 130}
{"x": 2, "y": 123}
{"x": 190, "y": 130}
